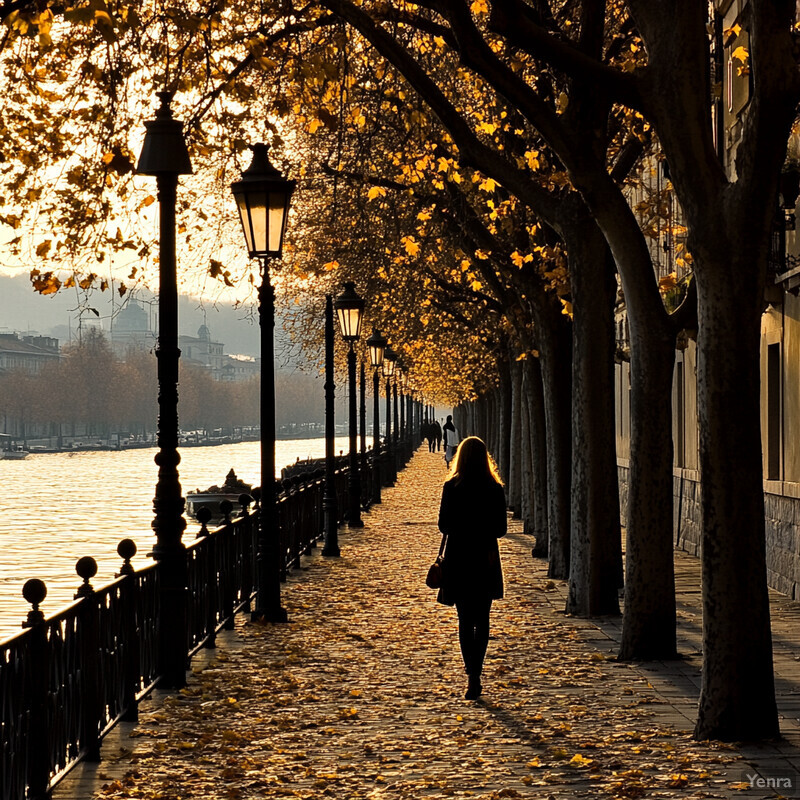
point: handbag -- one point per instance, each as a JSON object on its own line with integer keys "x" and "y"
{"x": 436, "y": 571}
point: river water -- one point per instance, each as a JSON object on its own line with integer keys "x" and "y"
{"x": 58, "y": 507}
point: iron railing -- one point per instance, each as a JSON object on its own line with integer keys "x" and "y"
{"x": 67, "y": 680}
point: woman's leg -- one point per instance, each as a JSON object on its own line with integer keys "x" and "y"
{"x": 466, "y": 633}
{"x": 482, "y": 610}
{"x": 473, "y": 632}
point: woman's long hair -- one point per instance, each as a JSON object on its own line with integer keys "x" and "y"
{"x": 472, "y": 462}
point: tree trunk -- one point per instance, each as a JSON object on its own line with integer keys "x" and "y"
{"x": 648, "y": 627}
{"x": 515, "y": 465}
{"x": 555, "y": 348}
{"x": 537, "y": 441}
{"x": 595, "y": 546}
{"x": 525, "y": 471}
{"x": 737, "y": 699}
{"x": 504, "y": 409}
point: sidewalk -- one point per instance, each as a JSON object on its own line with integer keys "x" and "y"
{"x": 360, "y": 695}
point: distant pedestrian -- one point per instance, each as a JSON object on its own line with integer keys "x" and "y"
{"x": 451, "y": 439}
{"x": 437, "y": 434}
{"x": 472, "y": 517}
{"x": 429, "y": 433}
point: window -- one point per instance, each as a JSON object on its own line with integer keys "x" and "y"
{"x": 773, "y": 465}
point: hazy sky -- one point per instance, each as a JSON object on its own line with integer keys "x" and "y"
{"x": 21, "y": 309}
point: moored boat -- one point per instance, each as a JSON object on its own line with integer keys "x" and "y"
{"x": 15, "y": 453}
{"x": 231, "y": 490}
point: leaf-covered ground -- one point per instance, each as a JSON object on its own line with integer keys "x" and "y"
{"x": 360, "y": 695}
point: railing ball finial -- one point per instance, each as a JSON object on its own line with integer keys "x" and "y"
{"x": 203, "y": 516}
{"x": 244, "y": 501}
{"x": 86, "y": 569}
{"x": 126, "y": 550}
{"x": 34, "y": 591}
{"x": 256, "y": 495}
{"x": 225, "y": 506}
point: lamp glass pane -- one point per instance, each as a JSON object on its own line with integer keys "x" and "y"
{"x": 255, "y": 229}
{"x": 277, "y": 218}
{"x": 241, "y": 205}
{"x": 376, "y": 355}
{"x": 349, "y": 322}
{"x": 356, "y": 315}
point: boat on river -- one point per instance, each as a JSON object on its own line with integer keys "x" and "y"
{"x": 15, "y": 453}
{"x": 231, "y": 490}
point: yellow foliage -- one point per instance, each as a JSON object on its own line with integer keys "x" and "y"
{"x": 668, "y": 282}
{"x": 410, "y": 245}
{"x": 741, "y": 54}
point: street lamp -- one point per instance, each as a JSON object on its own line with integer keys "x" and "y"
{"x": 262, "y": 198}
{"x": 377, "y": 348}
{"x": 389, "y": 363}
{"x": 401, "y": 388}
{"x": 350, "y": 311}
{"x": 164, "y": 155}
{"x": 330, "y": 505}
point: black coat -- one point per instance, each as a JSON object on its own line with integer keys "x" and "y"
{"x": 474, "y": 518}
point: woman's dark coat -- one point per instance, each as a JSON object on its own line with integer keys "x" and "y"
{"x": 474, "y": 517}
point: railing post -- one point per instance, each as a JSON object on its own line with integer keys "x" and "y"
{"x": 242, "y": 552}
{"x": 203, "y": 516}
{"x": 91, "y": 686}
{"x": 225, "y": 570}
{"x": 252, "y": 542}
{"x": 126, "y": 549}
{"x": 38, "y": 745}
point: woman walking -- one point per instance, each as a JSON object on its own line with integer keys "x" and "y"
{"x": 472, "y": 517}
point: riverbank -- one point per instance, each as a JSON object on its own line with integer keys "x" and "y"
{"x": 118, "y": 442}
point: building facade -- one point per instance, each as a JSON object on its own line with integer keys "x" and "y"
{"x": 780, "y": 333}
{"x": 27, "y": 353}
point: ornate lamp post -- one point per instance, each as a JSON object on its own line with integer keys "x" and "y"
{"x": 401, "y": 380}
{"x": 330, "y": 506}
{"x": 165, "y": 156}
{"x": 262, "y": 197}
{"x": 389, "y": 361}
{"x": 362, "y": 427}
{"x": 377, "y": 347}
{"x": 350, "y": 310}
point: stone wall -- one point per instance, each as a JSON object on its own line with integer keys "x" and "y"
{"x": 782, "y": 525}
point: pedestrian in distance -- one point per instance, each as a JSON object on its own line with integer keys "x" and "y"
{"x": 472, "y": 517}
{"x": 438, "y": 434}
{"x": 451, "y": 439}
{"x": 429, "y": 433}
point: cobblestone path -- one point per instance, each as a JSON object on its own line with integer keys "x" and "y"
{"x": 360, "y": 695}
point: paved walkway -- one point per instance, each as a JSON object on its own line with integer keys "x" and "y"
{"x": 360, "y": 695}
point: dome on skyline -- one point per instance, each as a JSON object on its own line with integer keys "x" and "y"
{"x": 131, "y": 318}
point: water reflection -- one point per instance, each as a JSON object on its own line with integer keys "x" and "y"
{"x": 61, "y": 506}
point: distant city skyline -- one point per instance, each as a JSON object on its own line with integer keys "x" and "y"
{"x": 60, "y": 315}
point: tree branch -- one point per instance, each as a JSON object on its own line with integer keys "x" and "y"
{"x": 472, "y": 150}
{"x": 512, "y": 20}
